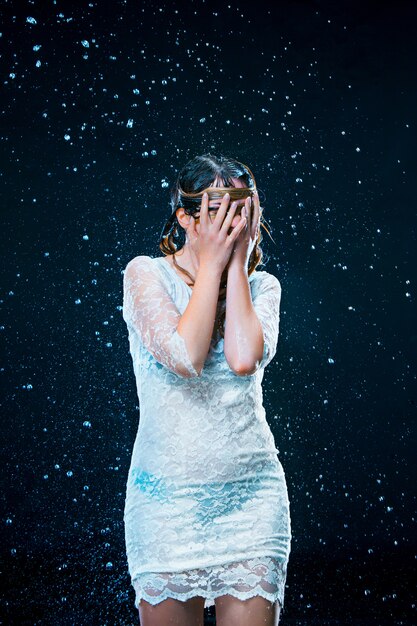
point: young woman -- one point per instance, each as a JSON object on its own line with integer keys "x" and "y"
{"x": 207, "y": 518}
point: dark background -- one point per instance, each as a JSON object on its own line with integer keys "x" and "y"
{"x": 319, "y": 99}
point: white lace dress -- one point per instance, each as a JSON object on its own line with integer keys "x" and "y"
{"x": 206, "y": 510}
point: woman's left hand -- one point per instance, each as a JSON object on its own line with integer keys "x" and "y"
{"x": 247, "y": 239}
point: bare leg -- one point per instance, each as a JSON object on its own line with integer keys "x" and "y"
{"x": 256, "y": 611}
{"x": 172, "y": 612}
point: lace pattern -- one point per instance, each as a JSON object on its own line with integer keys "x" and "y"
{"x": 260, "y": 576}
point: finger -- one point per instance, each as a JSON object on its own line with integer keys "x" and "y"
{"x": 229, "y": 217}
{"x": 249, "y": 215}
{"x": 222, "y": 211}
{"x": 256, "y": 213}
{"x": 204, "y": 218}
{"x": 237, "y": 229}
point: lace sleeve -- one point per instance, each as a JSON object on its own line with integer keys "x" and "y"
{"x": 266, "y": 303}
{"x": 149, "y": 310}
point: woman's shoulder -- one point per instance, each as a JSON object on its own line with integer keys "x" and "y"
{"x": 266, "y": 278}
{"x": 140, "y": 261}
{"x": 144, "y": 267}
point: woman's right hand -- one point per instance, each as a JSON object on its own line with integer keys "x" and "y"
{"x": 212, "y": 245}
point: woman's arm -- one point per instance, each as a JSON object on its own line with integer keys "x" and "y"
{"x": 197, "y": 322}
{"x": 180, "y": 343}
{"x": 251, "y": 327}
{"x": 243, "y": 338}
{"x": 213, "y": 247}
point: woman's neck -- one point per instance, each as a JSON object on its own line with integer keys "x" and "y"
{"x": 186, "y": 259}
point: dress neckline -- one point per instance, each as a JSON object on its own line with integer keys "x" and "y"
{"x": 165, "y": 262}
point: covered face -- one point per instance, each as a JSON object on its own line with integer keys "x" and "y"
{"x": 194, "y": 180}
{"x": 238, "y": 194}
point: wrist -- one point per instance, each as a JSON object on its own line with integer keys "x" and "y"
{"x": 211, "y": 270}
{"x": 237, "y": 265}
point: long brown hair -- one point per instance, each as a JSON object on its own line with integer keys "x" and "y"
{"x": 194, "y": 178}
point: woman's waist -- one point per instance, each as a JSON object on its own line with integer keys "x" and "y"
{"x": 199, "y": 426}
{"x": 205, "y": 455}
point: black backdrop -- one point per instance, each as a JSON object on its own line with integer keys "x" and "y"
{"x": 102, "y": 103}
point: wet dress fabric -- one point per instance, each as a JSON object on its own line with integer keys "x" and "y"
{"x": 206, "y": 510}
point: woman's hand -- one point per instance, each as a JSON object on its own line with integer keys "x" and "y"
{"x": 248, "y": 236}
{"x": 212, "y": 245}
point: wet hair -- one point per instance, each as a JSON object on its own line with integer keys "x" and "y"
{"x": 196, "y": 177}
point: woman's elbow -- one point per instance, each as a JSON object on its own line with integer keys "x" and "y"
{"x": 248, "y": 363}
{"x": 189, "y": 371}
{"x": 245, "y": 368}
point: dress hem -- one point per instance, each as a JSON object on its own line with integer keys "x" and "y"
{"x": 209, "y": 598}
{"x": 222, "y": 587}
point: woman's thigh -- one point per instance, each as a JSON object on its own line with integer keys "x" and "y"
{"x": 172, "y": 612}
{"x": 256, "y": 611}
